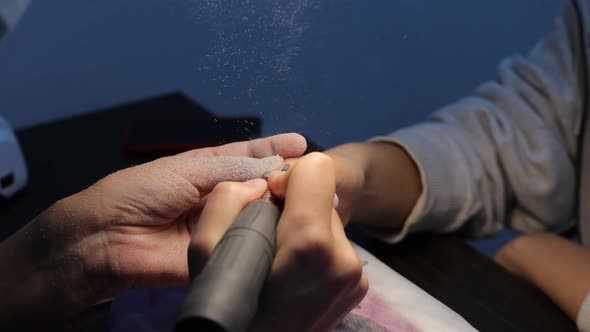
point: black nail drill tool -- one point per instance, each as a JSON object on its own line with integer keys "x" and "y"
{"x": 224, "y": 296}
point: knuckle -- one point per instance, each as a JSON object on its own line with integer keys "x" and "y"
{"x": 312, "y": 249}
{"x": 362, "y": 289}
{"x": 348, "y": 270}
{"x": 352, "y": 269}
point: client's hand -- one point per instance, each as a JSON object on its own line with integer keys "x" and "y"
{"x": 559, "y": 267}
{"x": 316, "y": 277}
{"x": 130, "y": 229}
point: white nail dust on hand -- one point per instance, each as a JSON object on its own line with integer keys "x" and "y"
{"x": 209, "y": 171}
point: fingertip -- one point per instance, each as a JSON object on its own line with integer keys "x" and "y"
{"x": 277, "y": 183}
{"x": 300, "y": 144}
{"x": 277, "y": 179}
{"x": 292, "y": 145}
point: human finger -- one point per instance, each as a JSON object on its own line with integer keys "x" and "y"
{"x": 288, "y": 145}
{"x": 205, "y": 172}
{"x": 224, "y": 204}
{"x": 346, "y": 275}
{"x": 278, "y": 180}
{"x": 319, "y": 293}
{"x": 307, "y": 208}
{"x": 169, "y": 187}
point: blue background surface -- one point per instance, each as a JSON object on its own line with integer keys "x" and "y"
{"x": 347, "y": 70}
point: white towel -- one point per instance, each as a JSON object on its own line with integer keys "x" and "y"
{"x": 583, "y": 320}
{"x": 393, "y": 304}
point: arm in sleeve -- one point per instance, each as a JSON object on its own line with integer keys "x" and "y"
{"x": 583, "y": 319}
{"x": 507, "y": 152}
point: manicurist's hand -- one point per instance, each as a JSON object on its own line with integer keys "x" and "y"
{"x": 131, "y": 229}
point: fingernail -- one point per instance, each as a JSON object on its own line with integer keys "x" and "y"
{"x": 285, "y": 168}
{"x": 336, "y": 200}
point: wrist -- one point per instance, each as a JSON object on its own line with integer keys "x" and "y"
{"x": 49, "y": 270}
{"x": 350, "y": 169}
{"x": 389, "y": 185}
{"x": 75, "y": 249}
{"x": 81, "y": 260}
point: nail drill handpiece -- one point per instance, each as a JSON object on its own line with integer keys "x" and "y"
{"x": 224, "y": 296}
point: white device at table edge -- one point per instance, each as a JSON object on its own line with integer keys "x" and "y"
{"x": 13, "y": 169}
